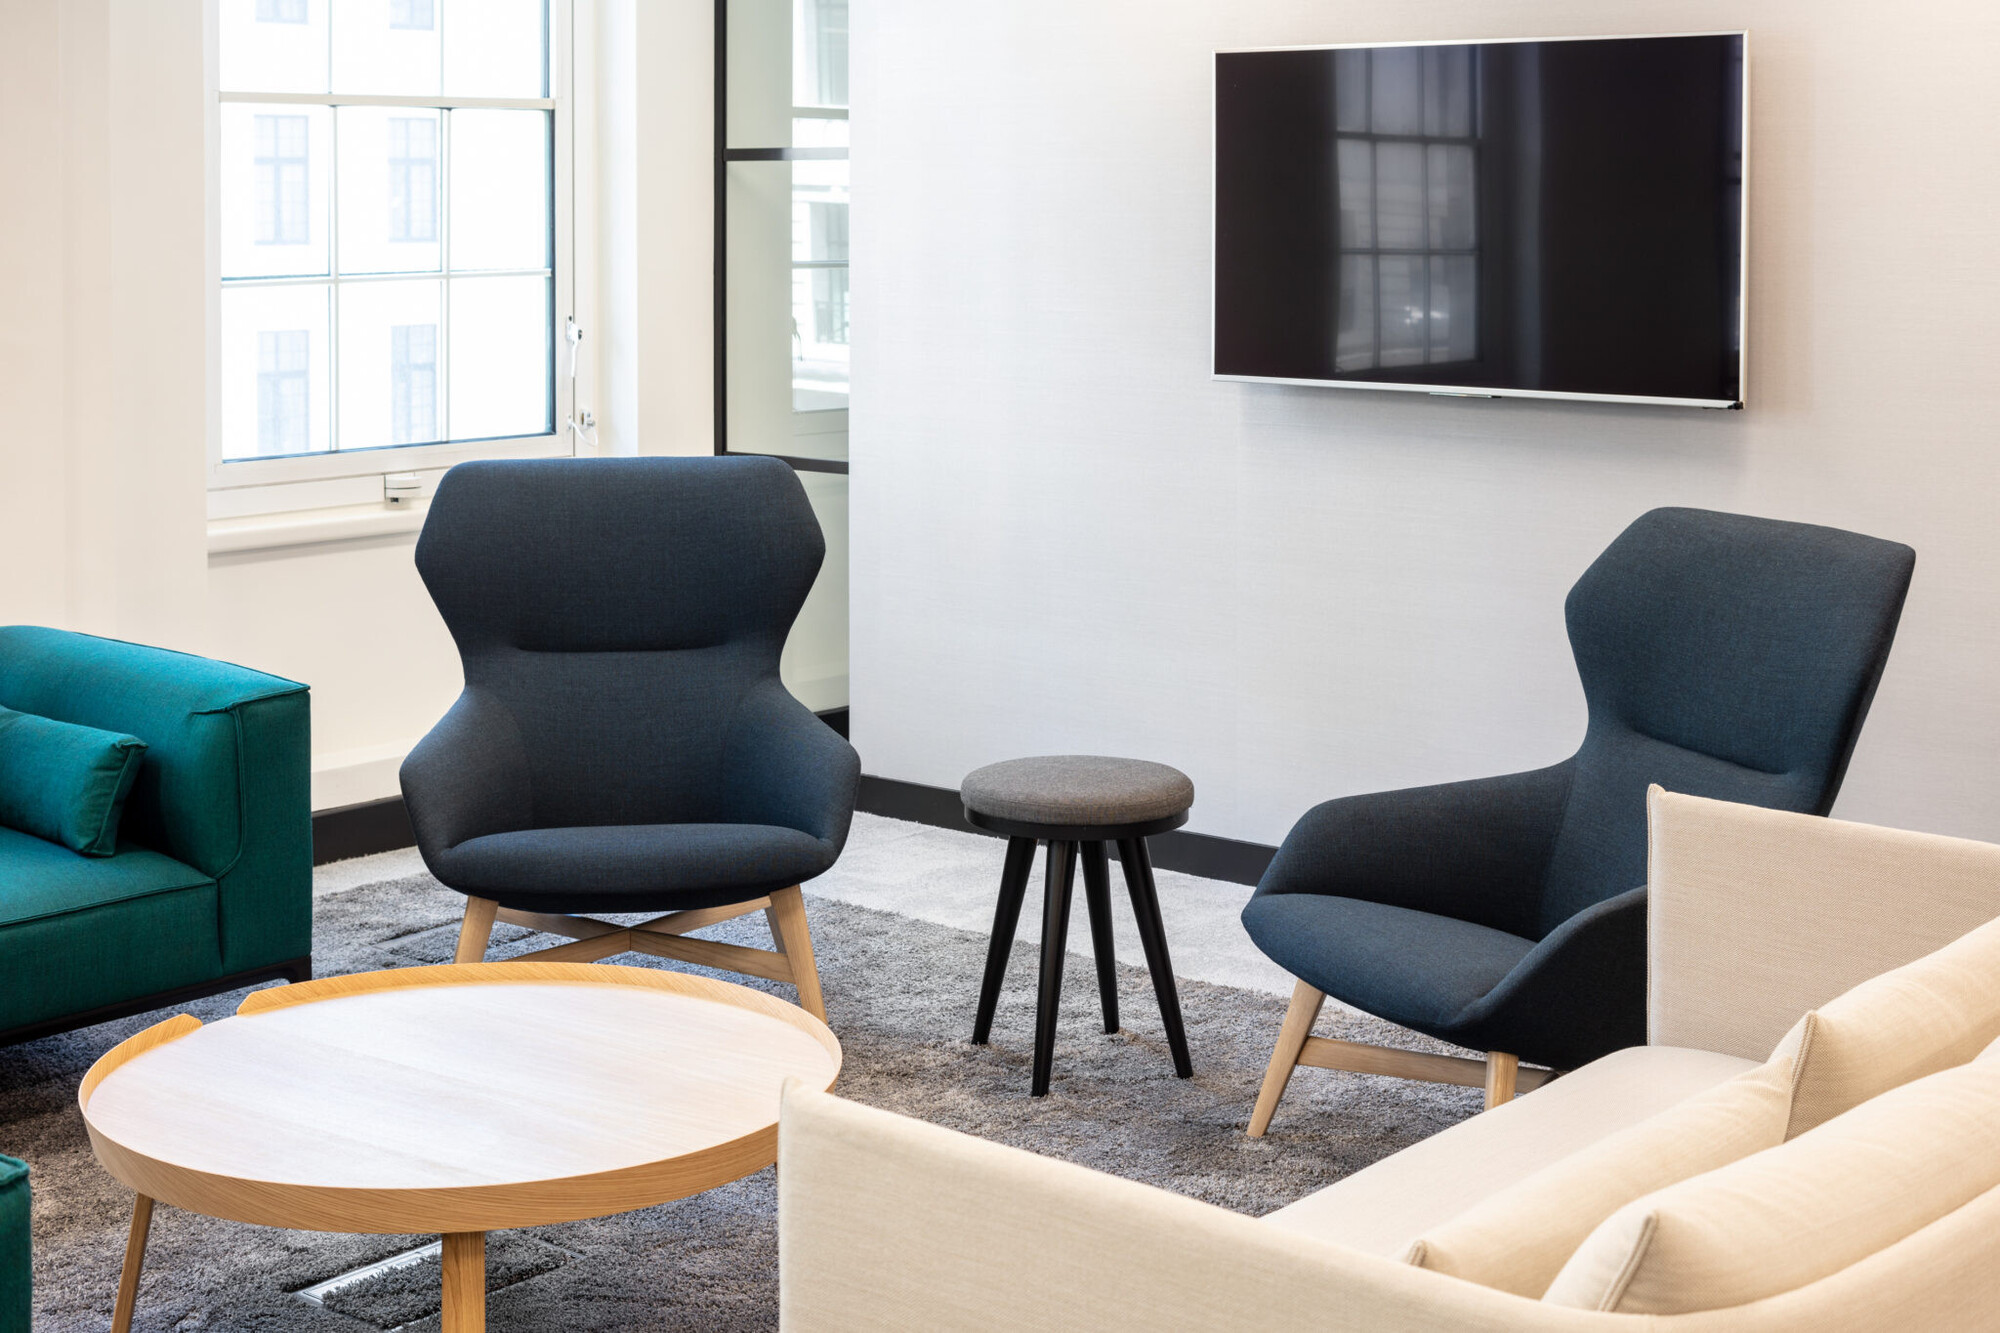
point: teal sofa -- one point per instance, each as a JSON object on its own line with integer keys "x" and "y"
{"x": 16, "y": 1279}
{"x": 211, "y": 885}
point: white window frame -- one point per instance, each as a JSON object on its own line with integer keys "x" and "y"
{"x": 248, "y": 487}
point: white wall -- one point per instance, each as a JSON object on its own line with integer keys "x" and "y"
{"x": 104, "y": 293}
{"x": 104, "y": 278}
{"x": 1066, "y": 537}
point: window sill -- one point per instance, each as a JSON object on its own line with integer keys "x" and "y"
{"x": 313, "y": 527}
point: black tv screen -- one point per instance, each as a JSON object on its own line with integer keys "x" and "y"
{"x": 1535, "y": 218}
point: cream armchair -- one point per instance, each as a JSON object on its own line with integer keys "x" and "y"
{"x": 1756, "y": 917}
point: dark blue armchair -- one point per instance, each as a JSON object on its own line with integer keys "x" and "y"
{"x": 623, "y": 743}
{"x": 1721, "y": 656}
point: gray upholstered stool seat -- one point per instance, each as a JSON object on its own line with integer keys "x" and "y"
{"x": 1077, "y": 791}
{"x": 1077, "y": 803}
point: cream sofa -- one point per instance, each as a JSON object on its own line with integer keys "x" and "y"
{"x": 1755, "y": 918}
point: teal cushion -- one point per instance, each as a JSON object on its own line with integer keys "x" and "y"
{"x": 16, "y": 1306}
{"x": 83, "y": 932}
{"x": 65, "y": 782}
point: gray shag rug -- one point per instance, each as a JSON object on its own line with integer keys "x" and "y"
{"x": 900, "y": 994}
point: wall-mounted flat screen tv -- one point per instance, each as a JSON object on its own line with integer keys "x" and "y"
{"x": 1551, "y": 219}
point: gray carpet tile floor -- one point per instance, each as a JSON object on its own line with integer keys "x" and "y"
{"x": 900, "y": 994}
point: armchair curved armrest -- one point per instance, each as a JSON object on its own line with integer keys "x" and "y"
{"x": 468, "y": 777}
{"x": 1578, "y": 995}
{"x": 782, "y": 765}
{"x": 1475, "y": 851}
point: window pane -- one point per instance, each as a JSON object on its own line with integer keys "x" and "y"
{"x": 1399, "y": 196}
{"x": 1403, "y": 310}
{"x": 1454, "y": 308}
{"x": 819, "y": 294}
{"x": 274, "y": 190}
{"x": 499, "y": 189}
{"x": 1356, "y": 177}
{"x": 1350, "y": 91}
{"x": 1398, "y": 77}
{"x": 1453, "y": 210}
{"x": 819, "y": 339}
{"x": 819, "y": 53}
{"x": 275, "y": 377}
{"x": 1355, "y": 349}
{"x": 391, "y": 218}
{"x": 1448, "y": 91}
{"x": 496, "y": 48}
{"x": 499, "y": 354}
{"x": 272, "y": 46}
{"x": 374, "y": 52}
{"x": 390, "y": 363}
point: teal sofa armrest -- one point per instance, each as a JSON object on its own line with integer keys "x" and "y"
{"x": 226, "y": 783}
{"x": 17, "y": 1311}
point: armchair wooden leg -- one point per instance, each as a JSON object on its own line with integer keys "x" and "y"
{"x": 1306, "y": 1002}
{"x": 788, "y": 915}
{"x": 1502, "y": 1070}
{"x": 477, "y": 930}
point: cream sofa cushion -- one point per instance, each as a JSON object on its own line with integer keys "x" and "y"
{"x": 1932, "y": 1014}
{"x": 1382, "y": 1208}
{"x": 1802, "y": 1211}
{"x": 1518, "y": 1238}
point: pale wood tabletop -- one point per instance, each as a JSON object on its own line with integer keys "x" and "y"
{"x": 455, "y": 1100}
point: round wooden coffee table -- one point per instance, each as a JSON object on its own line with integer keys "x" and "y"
{"x": 456, "y": 1100}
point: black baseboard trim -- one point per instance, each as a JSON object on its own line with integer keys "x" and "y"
{"x": 295, "y": 969}
{"x": 1200, "y": 854}
{"x": 361, "y": 830}
{"x": 837, "y": 719}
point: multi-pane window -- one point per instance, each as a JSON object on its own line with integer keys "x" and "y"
{"x": 819, "y": 206}
{"x": 281, "y": 180}
{"x": 1407, "y": 122}
{"x": 785, "y": 332}
{"x": 413, "y": 178}
{"x": 388, "y": 216}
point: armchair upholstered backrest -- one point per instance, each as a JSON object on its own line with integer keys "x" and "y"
{"x": 1721, "y": 656}
{"x": 616, "y": 616}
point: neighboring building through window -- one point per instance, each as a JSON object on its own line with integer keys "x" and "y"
{"x": 281, "y": 11}
{"x": 282, "y": 391}
{"x": 413, "y": 160}
{"x": 281, "y": 181}
{"x": 421, "y": 14}
{"x": 828, "y": 225}
{"x": 826, "y": 50}
{"x": 413, "y": 383}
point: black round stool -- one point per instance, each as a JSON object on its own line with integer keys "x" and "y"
{"x": 1077, "y": 803}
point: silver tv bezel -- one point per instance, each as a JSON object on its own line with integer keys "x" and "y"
{"x": 1484, "y": 391}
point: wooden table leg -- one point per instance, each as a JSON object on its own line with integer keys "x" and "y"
{"x": 465, "y": 1282}
{"x": 135, "y": 1259}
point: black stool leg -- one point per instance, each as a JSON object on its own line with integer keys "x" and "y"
{"x": 1006, "y": 917}
{"x": 1055, "y": 945}
{"x": 1097, "y": 897}
{"x": 1153, "y": 935}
